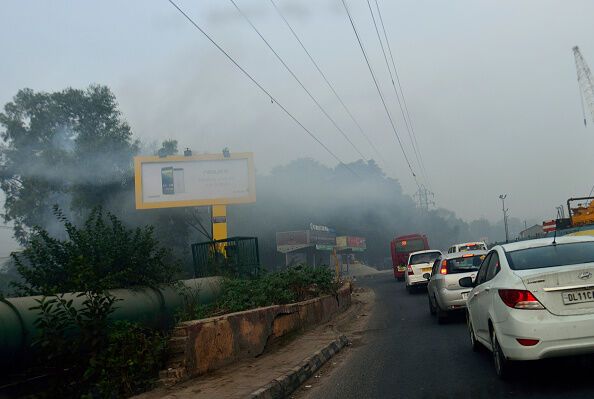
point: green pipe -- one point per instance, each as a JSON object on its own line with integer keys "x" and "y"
{"x": 150, "y": 307}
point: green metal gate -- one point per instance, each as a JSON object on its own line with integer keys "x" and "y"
{"x": 232, "y": 257}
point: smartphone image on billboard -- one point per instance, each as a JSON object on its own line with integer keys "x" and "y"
{"x": 167, "y": 181}
{"x": 178, "y": 180}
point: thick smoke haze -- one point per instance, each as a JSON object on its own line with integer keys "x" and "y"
{"x": 490, "y": 85}
{"x": 367, "y": 204}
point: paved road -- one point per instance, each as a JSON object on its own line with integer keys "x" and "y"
{"x": 404, "y": 353}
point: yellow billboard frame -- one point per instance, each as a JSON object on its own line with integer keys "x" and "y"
{"x": 140, "y": 204}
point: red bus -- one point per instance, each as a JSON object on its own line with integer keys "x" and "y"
{"x": 401, "y": 247}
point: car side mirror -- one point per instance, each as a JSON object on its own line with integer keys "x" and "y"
{"x": 466, "y": 282}
{"x": 427, "y": 276}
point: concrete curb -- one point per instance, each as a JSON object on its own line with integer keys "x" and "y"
{"x": 284, "y": 385}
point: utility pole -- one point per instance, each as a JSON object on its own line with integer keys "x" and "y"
{"x": 502, "y": 197}
{"x": 424, "y": 198}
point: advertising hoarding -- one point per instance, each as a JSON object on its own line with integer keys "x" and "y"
{"x": 320, "y": 237}
{"x": 200, "y": 180}
{"x": 356, "y": 242}
{"x": 341, "y": 241}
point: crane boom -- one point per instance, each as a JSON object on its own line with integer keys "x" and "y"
{"x": 585, "y": 82}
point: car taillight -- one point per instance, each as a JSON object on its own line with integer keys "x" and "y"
{"x": 410, "y": 270}
{"x": 444, "y": 267}
{"x": 527, "y": 341}
{"x": 520, "y": 299}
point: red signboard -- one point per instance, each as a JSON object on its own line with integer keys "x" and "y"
{"x": 356, "y": 242}
{"x": 550, "y": 225}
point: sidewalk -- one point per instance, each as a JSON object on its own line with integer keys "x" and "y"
{"x": 243, "y": 378}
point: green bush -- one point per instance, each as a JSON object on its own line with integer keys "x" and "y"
{"x": 102, "y": 254}
{"x": 287, "y": 286}
{"x": 82, "y": 352}
{"x": 86, "y": 356}
{"x": 129, "y": 363}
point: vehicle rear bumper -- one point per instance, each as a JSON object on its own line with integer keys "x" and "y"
{"x": 451, "y": 300}
{"x": 416, "y": 280}
{"x": 557, "y": 335}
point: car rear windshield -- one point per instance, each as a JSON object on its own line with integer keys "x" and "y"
{"x": 470, "y": 247}
{"x": 551, "y": 256}
{"x": 427, "y": 257}
{"x": 464, "y": 264}
{"x": 417, "y": 244}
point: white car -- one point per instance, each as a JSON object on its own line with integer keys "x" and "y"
{"x": 533, "y": 299}
{"x": 468, "y": 246}
{"x": 419, "y": 263}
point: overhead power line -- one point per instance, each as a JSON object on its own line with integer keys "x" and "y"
{"x": 297, "y": 79}
{"x": 255, "y": 82}
{"x": 379, "y": 90}
{"x": 414, "y": 134}
{"x": 330, "y": 86}
{"x": 394, "y": 87}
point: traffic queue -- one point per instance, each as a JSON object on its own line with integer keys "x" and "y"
{"x": 526, "y": 300}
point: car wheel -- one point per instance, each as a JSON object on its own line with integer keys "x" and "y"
{"x": 502, "y": 365}
{"x": 474, "y": 344}
{"x": 431, "y": 307}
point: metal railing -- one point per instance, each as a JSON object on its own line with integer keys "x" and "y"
{"x": 232, "y": 257}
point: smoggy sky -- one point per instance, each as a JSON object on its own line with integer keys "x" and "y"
{"x": 491, "y": 85}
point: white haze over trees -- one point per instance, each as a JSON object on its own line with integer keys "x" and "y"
{"x": 74, "y": 149}
{"x": 491, "y": 88}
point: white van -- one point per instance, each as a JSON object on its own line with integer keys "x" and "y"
{"x": 468, "y": 246}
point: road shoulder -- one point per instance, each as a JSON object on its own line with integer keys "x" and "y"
{"x": 282, "y": 359}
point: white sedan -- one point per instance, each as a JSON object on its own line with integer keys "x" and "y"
{"x": 418, "y": 264}
{"x": 533, "y": 299}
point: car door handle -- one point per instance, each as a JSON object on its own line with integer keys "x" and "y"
{"x": 487, "y": 289}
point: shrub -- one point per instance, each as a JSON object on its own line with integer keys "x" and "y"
{"x": 287, "y": 286}
{"x": 102, "y": 254}
{"x": 130, "y": 362}
{"x": 82, "y": 352}
{"x": 87, "y": 356}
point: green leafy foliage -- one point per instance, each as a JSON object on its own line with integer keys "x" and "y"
{"x": 192, "y": 309}
{"x": 69, "y": 146}
{"x": 276, "y": 288}
{"x": 85, "y": 355}
{"x": 130, "y": 362}
{"x": 101, "y": 254}
{"x": 83, "y": 352}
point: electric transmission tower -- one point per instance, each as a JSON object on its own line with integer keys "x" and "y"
{"x": 585, "y": 82}
{"x": 424, "y": 198}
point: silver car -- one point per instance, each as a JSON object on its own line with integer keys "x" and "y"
{"x": 444, "y": 293}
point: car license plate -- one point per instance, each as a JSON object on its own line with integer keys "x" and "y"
{"x": 465, "y": 295}
{"x": 426, "y": 269}
{"x": 582, "y": 296}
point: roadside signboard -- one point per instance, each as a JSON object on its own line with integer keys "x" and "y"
{"x": 549, "y": 225}
{"x": 354, "y": 244}
{"x": 288, "y": 241}
{"x": 321, "y": 238}
{"x": 341, "y": 242}
{"x": 200, "y": 180}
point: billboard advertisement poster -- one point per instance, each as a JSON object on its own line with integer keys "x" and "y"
{"x": 200, "y": 180}
{"x": 341, "y": 241}
{"x": 356, "y": 242}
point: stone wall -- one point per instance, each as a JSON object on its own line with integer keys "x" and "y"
{"x": 199, "y": 346}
